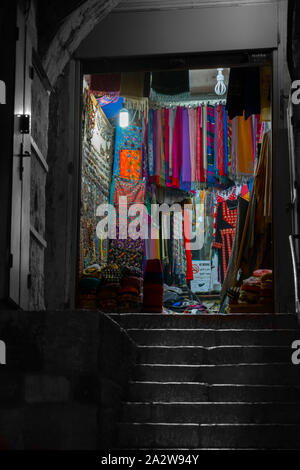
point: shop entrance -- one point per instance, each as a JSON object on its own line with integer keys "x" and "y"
{"x": 176, "y": 186}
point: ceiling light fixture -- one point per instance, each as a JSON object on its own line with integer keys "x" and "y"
{"x": 220, "y": 87}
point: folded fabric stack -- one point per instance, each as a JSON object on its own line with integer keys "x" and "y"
{"x": 92, "y": 271}
{"x": 266, "y": 285}
{"x": 130, "y": 294}
{"x": 88, "y": 292}
{"x": 250, "y": 290}
{"x": 108, "y": 297}
{"x": 153, "y": 287}
{"x": 110, "y": 273}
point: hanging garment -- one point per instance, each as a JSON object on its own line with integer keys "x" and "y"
{"x": 150, "y": 143}
{"x": 171, "y": 82}
{"x": 129, "y": 138}
{"x": 162, "y": 175}
{"x": 193, "y": 140}
{"x": 245, "y": 157}
{"x": 231, "y": 268}
{"x": 132, "y": 84}
{"x": 127, "y": 251}
{"x": 177, "y": 149}
{"x": 186, "y": 157}
{"x": 172, "y": 114}
{"x": 112, "y": 109}
{"x": 105, "y": 99}
{"x": 235, "y": 93}
{"x": 130, "y": 164}
{"x": 187, "y": 237}
{"x": 225, "y": 232}
{"x": 265, "y": 93}
{"x": 252, "y": 91}
{"x": 158, "y": 145}
{"x": 220, "y": 197}
{"x": 210, "y": 147}
{"x": 219, "y": 142}
{"x": 105, "y": 82}
{"x": 167, "y": 153}
{"x": 199, "y": 171}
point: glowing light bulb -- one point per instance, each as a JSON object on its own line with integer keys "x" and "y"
{"x": 124, "y": 118}
{"x": 220, "y": 87}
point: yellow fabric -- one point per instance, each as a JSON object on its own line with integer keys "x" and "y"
{"x": 132, "y": 84}
{"x": 265, "y": 90}
{"x": 245, "y": 154}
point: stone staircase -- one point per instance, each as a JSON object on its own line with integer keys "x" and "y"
{"x": 212, "y": 382}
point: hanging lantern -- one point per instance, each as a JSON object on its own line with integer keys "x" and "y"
{"x": 220, "y": 87}
{"x": 124, "y": 118}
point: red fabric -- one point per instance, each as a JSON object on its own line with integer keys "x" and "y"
{"x": 187, "y": 237}
{"x": 106, "y": 82}
{"x": 220, "y": 143}
{"x": 200, "y": 176}
{"x": 177, "y": 148}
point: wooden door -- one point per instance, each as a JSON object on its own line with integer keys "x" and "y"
{"x": 20, "y": 214}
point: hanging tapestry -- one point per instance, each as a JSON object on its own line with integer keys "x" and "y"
{"x": 127, "y": 251}
{"x": 225, "y": 231}
{"x": 130, "y": 164}
{"x": 97, "y": 157}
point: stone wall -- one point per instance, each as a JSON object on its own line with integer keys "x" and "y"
{"x": 64, "y": 380}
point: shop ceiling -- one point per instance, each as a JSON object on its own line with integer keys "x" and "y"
{"x": 144, "y": 5}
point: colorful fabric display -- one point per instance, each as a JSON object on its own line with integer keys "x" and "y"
{"x": 225, "y": 232}
{"x": 110, "y": 273}
{"x": 130, "y": 294}
{"x": 108, "y": 298}
{"x": 92, "y": 271}
{"x": 111, "y": 109}
{"x": 242, "y": 156}
{"x": 130, "y": 164}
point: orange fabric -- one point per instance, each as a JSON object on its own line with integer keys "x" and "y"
{"x": 130, "y": 164}
{"x": 245, "y": 154}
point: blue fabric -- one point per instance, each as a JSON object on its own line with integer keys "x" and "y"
{"x": 126, "y": 138}
{"x": 150, "y": 142}
{"x": 112, "y": 109}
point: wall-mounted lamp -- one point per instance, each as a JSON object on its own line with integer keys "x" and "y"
{"x": 124, "y": 118}
{"x": 220, "y": 87}
{"x": 2, "y": 92}
{"x": 24, "y": 123}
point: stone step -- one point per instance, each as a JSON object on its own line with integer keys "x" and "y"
{"x": 209, "y": 412}
{"x": 197, "y": 436}
{"x": 245, "y": 321}
{"x": 213, "y": 355}
{"x": 262, "y": 374}
{"x": 195, "y": 391}
{"x": 213, "y": 337}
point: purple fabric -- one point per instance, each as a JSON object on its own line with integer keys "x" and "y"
{"x": 154, "y": 140}
{"x": 186, "y": 157}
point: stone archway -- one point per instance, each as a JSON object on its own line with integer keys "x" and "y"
{"x": 78, "y": 24}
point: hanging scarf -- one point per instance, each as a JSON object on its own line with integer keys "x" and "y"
{"x": 172, "y": 114}
{"x": 186, "y": 158}
{"x": 192, "y": 127}
{"x": 199, "y": 170}
{"x": 177, "y": 149}
{"x": 150, "y": 143}
{"x": 210, "y": 126}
